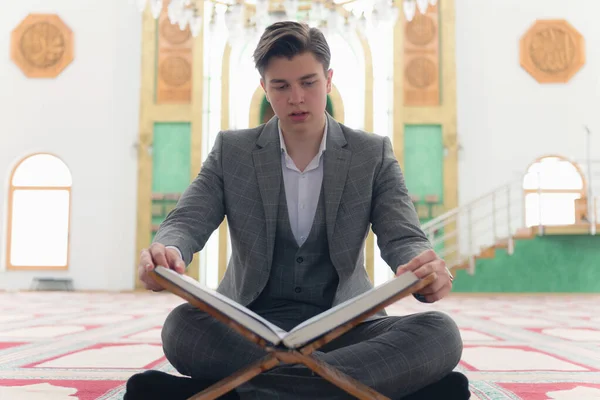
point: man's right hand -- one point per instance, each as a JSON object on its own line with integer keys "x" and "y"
{"x": 157, "y": 254}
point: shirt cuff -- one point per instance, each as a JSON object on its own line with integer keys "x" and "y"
{"x": 178, "y": 251}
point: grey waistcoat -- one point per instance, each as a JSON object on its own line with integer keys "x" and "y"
{"x": 303, "y": 280}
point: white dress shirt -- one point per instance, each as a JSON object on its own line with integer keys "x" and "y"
{"x": 302, "y": 189}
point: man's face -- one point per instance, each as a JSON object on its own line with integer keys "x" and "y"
{"x": 297, "y": 90}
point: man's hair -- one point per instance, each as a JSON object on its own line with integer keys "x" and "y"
{"x": 289, "y": 39}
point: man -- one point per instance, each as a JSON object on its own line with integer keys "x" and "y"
{"x": 300, "y": 193}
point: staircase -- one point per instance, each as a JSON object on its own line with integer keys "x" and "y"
{"x": 495, "y": 221}
{"x": 477, "y": 229}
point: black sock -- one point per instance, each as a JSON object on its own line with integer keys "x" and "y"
{"x": 454, "y": 386}
{"x": 157, "y": 385}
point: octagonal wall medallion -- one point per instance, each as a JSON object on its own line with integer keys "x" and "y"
{"x": 42, "y": 46}
{"x": 552, "y": 51}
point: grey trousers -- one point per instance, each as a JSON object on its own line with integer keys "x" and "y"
{"x": 394, "y": 355}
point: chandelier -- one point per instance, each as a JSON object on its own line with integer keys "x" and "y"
{"x": 240, "y": 15}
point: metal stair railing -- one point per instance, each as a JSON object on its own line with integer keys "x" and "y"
{"x": 462, "y": 233}
{"x": 493, "y": 219}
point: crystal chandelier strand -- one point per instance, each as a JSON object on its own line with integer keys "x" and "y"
{"x": 156, "y": 7}
{"x": 141, "y": 5}
{"x": 422, "y": 5}
{"x": 291, "y": 8}
{"x": 195, "y": 25}
{"x": 239, "y": 16}
{"x": 410, "y": 8}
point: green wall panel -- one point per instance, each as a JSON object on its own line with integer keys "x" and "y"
{"x": 265, "y": 109}
{"x": 424, "y": 160}
{"x": 171, "y": 169}
{"x": 171, "y": 157}
{"x": 546, "y": 264}
{"x": 424, "y": 169}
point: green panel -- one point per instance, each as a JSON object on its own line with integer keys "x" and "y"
{"x": 546, "y": 264}
{"x": 171, "y": 157}
{"x": 424, "y": 168}
{"x": 329, "y": 107}
{"x": 171, "y": 168}
{"x": 424, "y": 160}
{"x": 264, "y": 106}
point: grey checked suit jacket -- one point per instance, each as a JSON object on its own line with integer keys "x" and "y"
{"x": 242, "y": 178}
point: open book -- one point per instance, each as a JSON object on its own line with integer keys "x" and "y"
{"x": 363, "y": 305}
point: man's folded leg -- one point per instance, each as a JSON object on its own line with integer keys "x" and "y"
{"x": 397, "y": 356}
{"x": 409, "y": 357}
{"x": 199, "y": 347}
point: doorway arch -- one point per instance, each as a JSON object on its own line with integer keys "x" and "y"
{"x": 261, "y": 109}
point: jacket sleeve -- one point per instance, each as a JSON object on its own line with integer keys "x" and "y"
{"x": 199, "y": 211}
{"x": 393, "y": 215}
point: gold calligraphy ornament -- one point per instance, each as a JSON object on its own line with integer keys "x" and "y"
{"x": 552, "y": 51}
{"x": 42, "y": 46}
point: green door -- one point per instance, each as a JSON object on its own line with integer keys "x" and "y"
{"x": 266, "y": 112}
{"x": 170, "y": 167}
{"x": 424, "y": 169}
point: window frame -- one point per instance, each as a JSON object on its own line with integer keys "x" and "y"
{"x": 9, "y": 222}
{"x": 540, "y": 191}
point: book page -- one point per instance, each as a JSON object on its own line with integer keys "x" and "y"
{"x": 325, "y": 322}
{"x": 242, "y": 315}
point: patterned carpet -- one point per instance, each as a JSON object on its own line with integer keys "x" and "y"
{"x": 64, "y": 346}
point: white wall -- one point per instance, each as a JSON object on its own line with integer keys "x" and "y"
{"x": 505, "y": 118}
{"x": 88, "y": 116}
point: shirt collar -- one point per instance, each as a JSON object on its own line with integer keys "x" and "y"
{"x": 323, "y": 141}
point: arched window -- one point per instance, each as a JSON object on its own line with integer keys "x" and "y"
{"x": 554, "y": 191}
{"x": 39, "y": 206}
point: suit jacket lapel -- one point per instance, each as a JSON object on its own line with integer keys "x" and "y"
{"x": 267, "y": 165}
{"x": 336, "y": 165}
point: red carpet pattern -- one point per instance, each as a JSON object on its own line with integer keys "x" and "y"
{"x": 526, "y": 347}
{"x": 65, "y": 346}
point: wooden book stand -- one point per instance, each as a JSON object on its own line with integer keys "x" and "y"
{"x": 281, "y": 354}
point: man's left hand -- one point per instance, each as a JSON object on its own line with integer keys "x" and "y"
{"x": 427, "y": 263}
